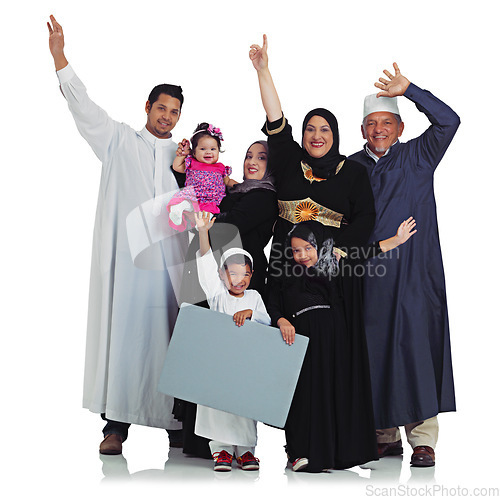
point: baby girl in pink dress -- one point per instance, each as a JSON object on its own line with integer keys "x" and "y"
{"x": 206, "y": 178}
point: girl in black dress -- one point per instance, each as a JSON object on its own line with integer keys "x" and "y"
{"x": 330, "y": 413}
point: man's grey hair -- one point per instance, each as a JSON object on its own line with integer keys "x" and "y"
{"x": 398, "y": 119}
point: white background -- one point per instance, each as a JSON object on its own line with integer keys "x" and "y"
{"x": 321, "y": 54}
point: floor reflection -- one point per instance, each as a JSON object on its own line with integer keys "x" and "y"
{"x": 177, "y": 468}
{"x": 181, "y": 468}
{"x": 385, "y": 470}
{"x": 422, "y": 475}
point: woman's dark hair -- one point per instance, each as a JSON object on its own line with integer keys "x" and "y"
{"x": 166, "y": 88}
{"x": 239, "y": 258}
{"x": 197, "y": 135}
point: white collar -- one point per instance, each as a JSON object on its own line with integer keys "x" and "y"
{"x": 371, "y": 154}
{"x": 153, "y": 139}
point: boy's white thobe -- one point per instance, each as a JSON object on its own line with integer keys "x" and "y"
{"x": 215, "y": 424}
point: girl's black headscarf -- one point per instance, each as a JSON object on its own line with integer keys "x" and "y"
{"x": 321, "y": 239}
{"x": 326, "y": 165}
{"x": 267, "y": 182}
{"x": 319, "y": 278}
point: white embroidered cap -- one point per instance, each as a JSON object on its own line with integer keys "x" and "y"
{"x": 234, "y": 251}
{"x": 374, "y": 104}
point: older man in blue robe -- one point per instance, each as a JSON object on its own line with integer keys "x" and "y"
{"x": 405, "y": 299}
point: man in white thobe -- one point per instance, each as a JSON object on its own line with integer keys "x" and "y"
{"x": 131, "y": 310}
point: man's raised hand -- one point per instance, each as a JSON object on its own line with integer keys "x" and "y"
{"x": 395, "y": 86}
{"x": 56, "y": 43}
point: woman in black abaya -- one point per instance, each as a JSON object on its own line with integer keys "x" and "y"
{"x": 315, "y": 182}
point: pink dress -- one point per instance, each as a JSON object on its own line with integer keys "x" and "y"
{"x": 204, "y": 188}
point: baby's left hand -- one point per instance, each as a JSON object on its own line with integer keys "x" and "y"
{"x": 240, "y": 317}
{"x": 183, "y": 148}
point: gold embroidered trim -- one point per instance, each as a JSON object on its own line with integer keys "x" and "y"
{"x": 278, "y": 130}
{"x": 339, "y": 166}
{"x": 307, "y": 209}
{"x": 340, "y": 252}
{"x": 308, "y": 174}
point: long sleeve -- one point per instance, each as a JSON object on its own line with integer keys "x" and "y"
{"x": 180, "y": 178}
{"x": 433, "y": 143}
{"x": 93, "y": 123}
{"x": 260, "y": 313}
{"x": 209, "y": 276}
{"x": 283, "y": 150}
{"x": 251, "y": 210}
{"x": 275, "y": 302}
{"x": 362, "y": 219}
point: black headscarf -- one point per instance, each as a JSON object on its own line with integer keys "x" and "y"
{"x": 326, "y": 165}
{"x": 321, "y": 239}
{"x": 320, "y": 278}
{"x": 267, "y": 181}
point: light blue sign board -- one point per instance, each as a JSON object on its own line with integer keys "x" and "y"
{"x": 247, "y": 370}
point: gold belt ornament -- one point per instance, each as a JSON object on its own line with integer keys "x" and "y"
{"x": 300, "y": 210}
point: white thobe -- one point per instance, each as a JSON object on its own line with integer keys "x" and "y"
{"x": 215, "y": 424}
{"x": 131, "y": 311}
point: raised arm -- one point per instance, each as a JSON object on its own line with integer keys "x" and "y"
{"x": 205, "y": 261}
{"x": 93, "y": 123}
{"x": 429, "y": 147}
{"x": 56, "y": 43}
{"x": 270, "y": 99}
{"x": 204, "y": 222}
{"x": 183, "y": 150}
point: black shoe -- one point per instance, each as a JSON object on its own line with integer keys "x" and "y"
{"x": 389, "y": 449}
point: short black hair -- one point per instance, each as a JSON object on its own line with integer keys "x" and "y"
{"x": 166, "y": 88}
{"x": 238, "y": 258}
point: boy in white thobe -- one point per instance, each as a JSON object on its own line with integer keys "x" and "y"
{"x": 226, "y": 290}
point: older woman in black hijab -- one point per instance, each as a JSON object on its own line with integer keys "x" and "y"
{"x": 315, "y": 182}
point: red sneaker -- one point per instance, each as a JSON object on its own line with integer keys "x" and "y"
{"x": 223, "y": 461}
{"x": 248, "y": 461}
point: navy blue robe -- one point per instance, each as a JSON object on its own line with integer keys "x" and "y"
{"x": 406, "y": 315}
